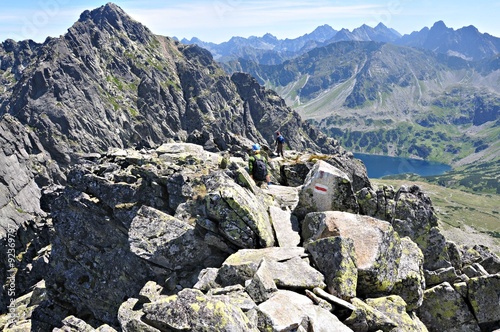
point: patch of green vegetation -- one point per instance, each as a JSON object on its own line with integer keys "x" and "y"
{"x": 154, "y": 43}
{"x": 482, "y": 177}
{"x": 115, "y": 81}
{"x": 442, "y": 144}
{"x": 134, "y": 112}
{"x": 112, "y": 100}
{"x": 130, "y": 55}
{"x": 133, "y": 86}
{"x": 9, "y": 76}
{"x": 115, "y": 104}
{"x": 172, "y": 83}
{"x": 153, "y": 62}
{"x": 21, "y": 211}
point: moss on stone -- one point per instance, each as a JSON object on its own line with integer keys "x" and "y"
{"x": 195, "y": 307}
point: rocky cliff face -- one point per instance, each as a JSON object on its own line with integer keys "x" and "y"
{"x": 25, "y": 167}
{"x": 126, "y": 204}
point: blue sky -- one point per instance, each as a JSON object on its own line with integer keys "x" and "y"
{"x": 219, "y": 20}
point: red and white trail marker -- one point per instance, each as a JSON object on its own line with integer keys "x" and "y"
{"x": 320, "y": 188}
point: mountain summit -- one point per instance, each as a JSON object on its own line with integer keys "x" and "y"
{"x": 467, "y": 42}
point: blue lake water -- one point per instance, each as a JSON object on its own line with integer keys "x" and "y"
{"x": 380, "y": 166}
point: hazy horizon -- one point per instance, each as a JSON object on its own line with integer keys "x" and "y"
{"x": 218, "y": 20}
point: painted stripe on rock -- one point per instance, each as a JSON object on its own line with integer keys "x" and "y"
{"x": 320, "y": 188}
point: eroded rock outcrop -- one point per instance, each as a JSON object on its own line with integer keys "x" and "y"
{"x": 238, "y": 216}
{"x": 410, "y": 212}
{"x": 445, "y": 309}
{"x": 24, "y": 167}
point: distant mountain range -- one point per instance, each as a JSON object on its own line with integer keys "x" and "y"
{"x": 432, "y": 94}
{"x": 467, "y": 43}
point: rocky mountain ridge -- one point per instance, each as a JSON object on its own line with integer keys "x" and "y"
{"x": 126, "y": 204}
{"x": 111, "y": 82}
{"x": 467, "y": 42}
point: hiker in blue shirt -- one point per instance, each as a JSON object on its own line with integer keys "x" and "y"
{"x": 279, "y": 144}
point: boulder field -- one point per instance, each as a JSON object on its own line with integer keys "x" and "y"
{"x": 181, "y": 239}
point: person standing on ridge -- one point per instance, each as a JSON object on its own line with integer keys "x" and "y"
{"x": 258, "y": 168}
{"x": 280, "y": 140}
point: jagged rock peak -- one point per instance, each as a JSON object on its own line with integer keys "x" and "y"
{"x": 439, "y": 25}
{"x": 323, "y": 32}
{"x": 110, "y": 10}
{"x": 269, "y": 38}
{"x": 111, "y": 16}
{"x": 380, "y": 26}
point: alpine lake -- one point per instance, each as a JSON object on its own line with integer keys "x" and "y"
{"x": 379, "y": 166}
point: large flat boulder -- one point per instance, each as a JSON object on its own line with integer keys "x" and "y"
{"x": 289, "y": 311}
{"x": 377, "y": 247}
{"x": 287, "y": 267}
{"x": 286, "y": 227}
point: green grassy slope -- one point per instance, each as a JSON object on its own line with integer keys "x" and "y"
{"x": 465, "y": 218}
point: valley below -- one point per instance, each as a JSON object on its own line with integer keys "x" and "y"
{"x": 443, "y": 119}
